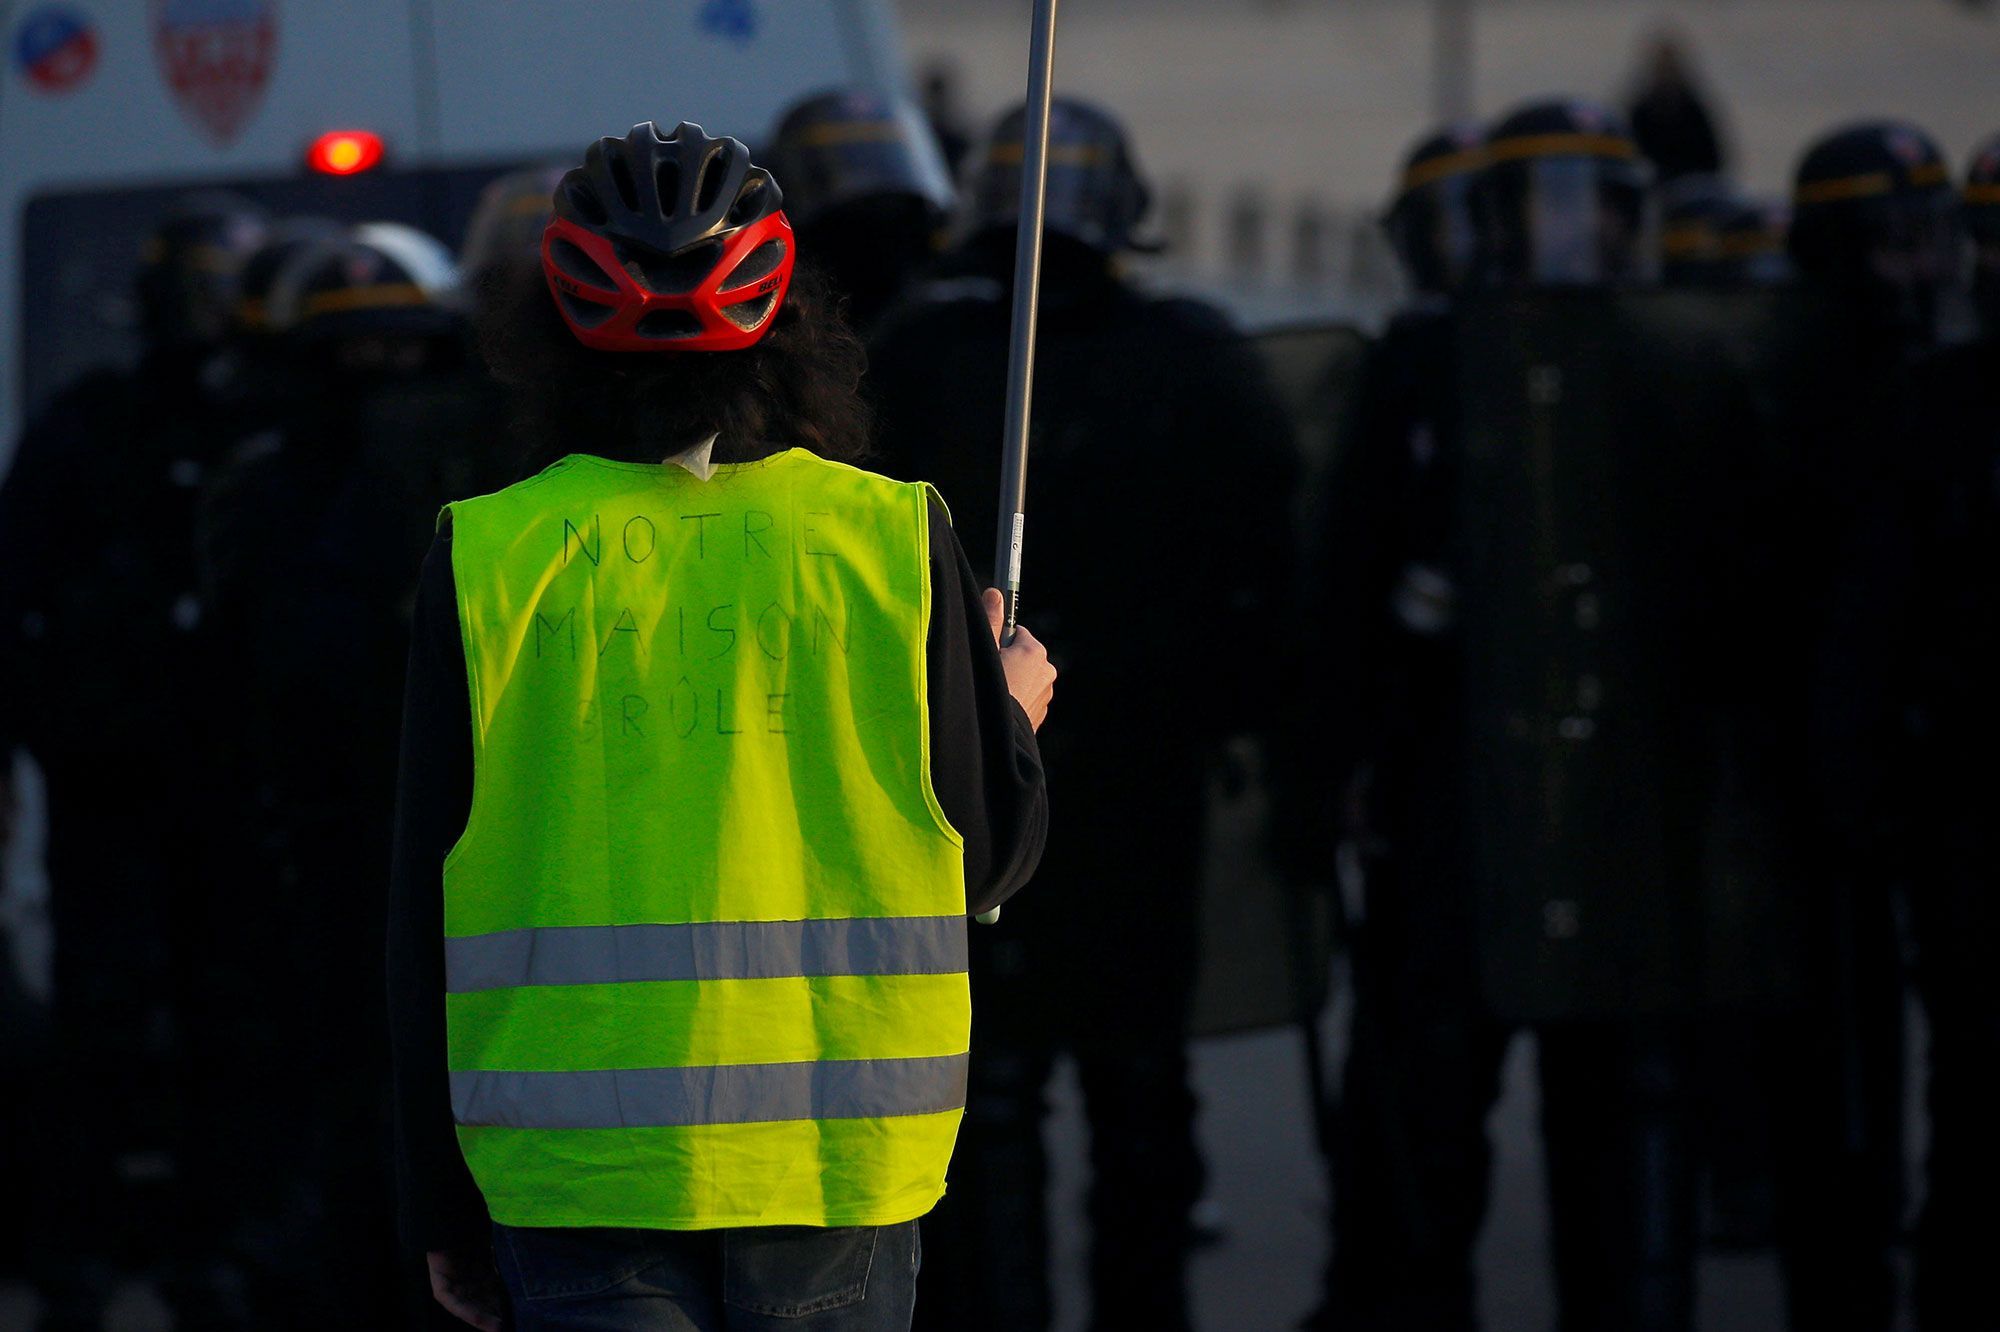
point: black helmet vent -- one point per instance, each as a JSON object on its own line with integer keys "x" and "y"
{"x": 709, "y": 191}
{"x": 671, "y": 274}
{"x": 667, "y": 179}
{"x": 575, "y": 263}
{"x": 577, "y": 191}
{"x": 667, "y": 324}
{"x": 746, "y": 315}
{"x": 621, "y": 180}
{"x": 763, "y": 261}
{"x": 587, "y": 314}
{"x": 747, "y": 207}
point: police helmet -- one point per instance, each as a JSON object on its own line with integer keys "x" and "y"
{"x": 675, "y": 242}
{"x": 844, "y": 147}
{"x": 1692, "y": 212}
{"x": 380, "y": 278}
{"x": 1873, "y": 213}
{"x": 1095, "y": 193}
{"x": 1566, "y": 198}
{"x": 1982, "y": 220}
{"x": 189, "y": 264}
{"x": 1752, "y": 235}
{"x": 508, "y": 221}
{"x": 266, "y": 266}
{"x": 1433, "y": 221}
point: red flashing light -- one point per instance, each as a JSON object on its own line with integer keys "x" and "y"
{"x": 344, "y": 152}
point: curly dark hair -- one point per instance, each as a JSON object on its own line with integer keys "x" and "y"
{"x": 798, "y": 387}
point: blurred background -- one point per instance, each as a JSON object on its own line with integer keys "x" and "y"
{"x": 1552, "y": 884}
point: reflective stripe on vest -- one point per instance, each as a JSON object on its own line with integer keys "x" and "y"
{"x": 730, "y": 1094}
{"x": 716, "y": 950}
{"x": 705, "y": 932}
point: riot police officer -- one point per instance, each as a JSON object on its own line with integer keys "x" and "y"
{"x": 503, "y": 239}
{"x": 506, "y": 228}
{"x": 508, "y": 219}
{"x": 334, "y": 496}
{"x": 1156, "y": 444}
{"x": 266, "y": 376}
{"x": 1433, "y": 222}
{"x": 1873, "y": 227}
{"x": 1494, "y": 680}
{"x": 97, "y": 638}
{"x": 868, "y": 191}
{"x": 1381, "y": 525}
{"x": 1874, "y": 239}
{"x": 1952, "y": 893}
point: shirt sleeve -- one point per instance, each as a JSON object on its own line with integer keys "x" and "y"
{"x": 441, "y": 1206}
{"x": 985, "y": 765}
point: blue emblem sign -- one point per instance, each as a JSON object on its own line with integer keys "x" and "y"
{"x": 55, "y": 47}
{"x": 735, "y": 20}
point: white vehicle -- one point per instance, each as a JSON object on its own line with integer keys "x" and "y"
{"x": 110, "y": 109}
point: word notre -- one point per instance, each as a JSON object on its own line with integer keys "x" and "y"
{"x": 639, "y": 536}
{"x": 646, "y": 628}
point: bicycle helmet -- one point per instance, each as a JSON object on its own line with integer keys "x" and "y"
{"x": 675, "y": 243}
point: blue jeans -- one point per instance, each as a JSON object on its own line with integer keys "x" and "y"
{"x": 753, "y": 1279}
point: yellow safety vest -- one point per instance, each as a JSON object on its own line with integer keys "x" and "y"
{"x": 705, "y": 931}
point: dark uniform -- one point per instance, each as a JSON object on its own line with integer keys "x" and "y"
{"x": 1156, "y": 445}
{"x": 99, "y": 645}
{"x": 1372, "y": 658}
{"x": 1523, "y": 544}
{"x": 1954, "y": 899}
{"x": 868, "y": 192}
{"x": 1714, "y": 241}
{"x": 337, "y": 496}
{"x": 1873, "y": 238}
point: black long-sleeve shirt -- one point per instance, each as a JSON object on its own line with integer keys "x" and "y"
{"x": 985, "y": 768}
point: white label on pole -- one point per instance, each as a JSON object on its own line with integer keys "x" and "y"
{"x": 1014, "y": 552}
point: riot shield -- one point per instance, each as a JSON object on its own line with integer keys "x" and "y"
{"x": 1314, "y": 368}
{"x": 1266, "y": 944}
{"x": 1616, "y": 578}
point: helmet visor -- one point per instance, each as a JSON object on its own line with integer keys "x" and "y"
{"x": 1092, "y": 195}
{"x": 1917, "y": 240}
{"x": 838, "y": 161}
{"x": 1571, "y": 222}
{"x": 1435, "y": 232}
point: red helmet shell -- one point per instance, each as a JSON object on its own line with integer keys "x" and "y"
{"x": 729, "y": 309}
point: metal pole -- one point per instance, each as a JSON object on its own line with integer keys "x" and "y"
{"x": 1027, "y": 310}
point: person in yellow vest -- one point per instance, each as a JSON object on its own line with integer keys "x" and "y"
{"x": 709, "y": 751}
